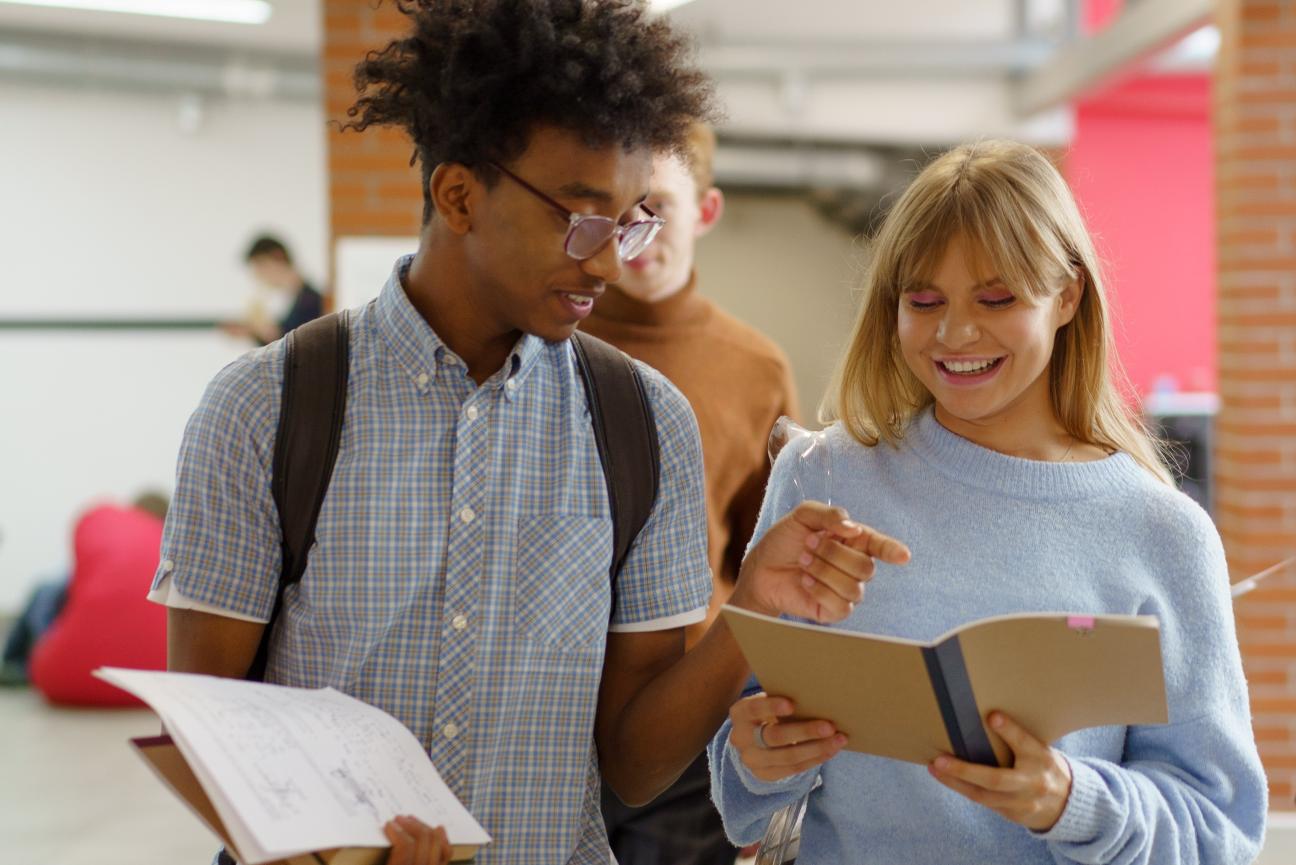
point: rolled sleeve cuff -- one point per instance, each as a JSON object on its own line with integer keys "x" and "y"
{"x": 1087, "y": 808}
{"x": 164, "y": 592}
{"x": 758, "y": 787}
{"x": 666, "y": 623}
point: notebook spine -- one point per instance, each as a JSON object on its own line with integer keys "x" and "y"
{"x": 953, "y": 689}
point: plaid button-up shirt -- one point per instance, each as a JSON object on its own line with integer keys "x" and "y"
{"x": 459, "y": 578}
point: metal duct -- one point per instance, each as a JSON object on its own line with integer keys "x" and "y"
{"x": 98, "y": 63}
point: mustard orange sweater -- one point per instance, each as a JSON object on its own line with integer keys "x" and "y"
{"x": 738, "y": 382}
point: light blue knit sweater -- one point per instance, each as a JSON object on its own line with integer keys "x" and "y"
{"x": 994, "y": 534}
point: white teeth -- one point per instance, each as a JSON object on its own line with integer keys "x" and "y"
{"x": 580, "y": 300}
{"x": 967, "y": 367}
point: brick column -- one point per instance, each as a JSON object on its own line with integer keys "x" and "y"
{"x": 373, "y": 190}
{"x": 1255, "y": 136}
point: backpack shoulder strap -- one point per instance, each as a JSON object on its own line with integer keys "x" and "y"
{"x": 312, "y": 407}
{"x": 626, "y": 435}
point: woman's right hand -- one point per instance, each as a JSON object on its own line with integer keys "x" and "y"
{"x": 773, "y": 748}
{"x": 416, "y": 843}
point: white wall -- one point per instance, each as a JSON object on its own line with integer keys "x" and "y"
{"x": 107, "y": 208}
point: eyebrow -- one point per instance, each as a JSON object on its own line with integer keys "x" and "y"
{"x": 586, "y": 192}
{"x": 992, "y": 282}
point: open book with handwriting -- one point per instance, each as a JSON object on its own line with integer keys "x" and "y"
{"x": 1053, "y": 672}
{"x": 292, "y": 775}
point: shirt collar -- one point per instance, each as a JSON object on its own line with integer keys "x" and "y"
{"x": 423, "y": 353}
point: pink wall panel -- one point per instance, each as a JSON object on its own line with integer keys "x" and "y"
{"x": 1142, "y": 168}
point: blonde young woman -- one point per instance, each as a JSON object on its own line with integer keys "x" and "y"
{"x": 978, "y": 422}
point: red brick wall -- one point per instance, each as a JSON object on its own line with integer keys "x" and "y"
{"x": 372, "y": 188}
{"x": 1255, "y": 135}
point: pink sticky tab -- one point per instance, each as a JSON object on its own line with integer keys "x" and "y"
{"x": 1080, "y": 623}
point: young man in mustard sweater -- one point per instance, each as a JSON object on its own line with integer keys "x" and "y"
{"x": 738, "y": 383}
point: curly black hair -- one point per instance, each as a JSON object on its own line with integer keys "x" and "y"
{"x": 475, "y": 77}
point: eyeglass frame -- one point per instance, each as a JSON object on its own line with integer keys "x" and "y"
{"x": 575, "y": 220}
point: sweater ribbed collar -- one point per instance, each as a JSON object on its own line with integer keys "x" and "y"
{"x": 972, "y": 464}
{"x": 684, "y": 308}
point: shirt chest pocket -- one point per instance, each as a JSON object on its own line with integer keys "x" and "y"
{"x": 563, "y": 590}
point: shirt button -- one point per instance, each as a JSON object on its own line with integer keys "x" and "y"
{"x": 510, "y": 385}
{"x": 467, "y": 515}
{"x": 472, "y": 412}
{"x": 459, "y": 622}
{"x": 450, "y": 730}
{"x": 422, "y": 379}
{"x": 168, "y": 566}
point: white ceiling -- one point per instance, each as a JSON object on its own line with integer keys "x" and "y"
{"x": 839, "y": 21}
{"x": 294, "y": 25}
{"x": 879, "y": 73}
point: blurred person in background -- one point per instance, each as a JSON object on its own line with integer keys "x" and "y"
{"x": 98, "y": 616}
{"x": 738, "y": 383}
{"x": 284, "y": 299}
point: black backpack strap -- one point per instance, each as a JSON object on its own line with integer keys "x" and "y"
{"x": 312, "y": 406}
{"x": 627, "y": 439}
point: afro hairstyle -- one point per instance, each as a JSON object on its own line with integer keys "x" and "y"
{"x": 474, "y": 78}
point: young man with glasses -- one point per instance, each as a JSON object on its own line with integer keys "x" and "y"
{"x": 459, "y": 578}
{"x": 738, "y": 383}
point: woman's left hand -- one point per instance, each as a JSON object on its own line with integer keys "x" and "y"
{"x": 1033, "y": 793}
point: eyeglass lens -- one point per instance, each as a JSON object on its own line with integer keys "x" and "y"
{"x": 589, "y": 235}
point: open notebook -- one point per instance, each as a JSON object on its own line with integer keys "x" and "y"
{"x": 1052, "y": 672}
{"x": 292, "y": 774}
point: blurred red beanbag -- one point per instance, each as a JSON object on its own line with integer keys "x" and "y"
{"x": 106, "y": 620}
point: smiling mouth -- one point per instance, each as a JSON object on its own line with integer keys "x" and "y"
{"x": 969, "y": 368}
{"x": 580, "y": 301}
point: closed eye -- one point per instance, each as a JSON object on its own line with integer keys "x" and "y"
{"x": 998, "y": 302}
{"x": 922, "y": 300}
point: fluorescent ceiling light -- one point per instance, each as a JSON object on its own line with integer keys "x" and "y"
{"x": 233, "y": 11}
{"x": 1194, "y": 53}
{"x": 660, "y": 6}
{"x": 1201, "y": 45}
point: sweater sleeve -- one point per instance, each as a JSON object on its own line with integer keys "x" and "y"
{"x": 744, "y": 801}
{"x": 1191, "y": 791}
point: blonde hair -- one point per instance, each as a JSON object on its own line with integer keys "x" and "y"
{"x": 699, "y": 155}
{"x": 1013, "y": 207}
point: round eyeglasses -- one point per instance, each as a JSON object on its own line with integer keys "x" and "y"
{"x": 588, "y": 233}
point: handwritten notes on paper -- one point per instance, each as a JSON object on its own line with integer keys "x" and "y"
{"x": 291, "y": 770}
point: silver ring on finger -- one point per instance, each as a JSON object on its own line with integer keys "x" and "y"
{"x": 759, "y": 736}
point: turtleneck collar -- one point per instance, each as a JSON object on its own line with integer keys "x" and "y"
{"x": 685, "y": 307}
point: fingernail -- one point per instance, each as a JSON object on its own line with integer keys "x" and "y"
{"x": 996, "y": 721}
{"x": 941, "y": 763}
{"x": 852, "y": 525}
{"x": 785, "y": 708}
{"x": 825, "y": 730}
{"x": 839, "y": 740}
{"x": 813, "y": 541}
{"x": 807, "y": 582}
{"x": 805, "y": 559}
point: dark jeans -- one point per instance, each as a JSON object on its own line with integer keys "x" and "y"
{"x": 679, "y": 827}
{"x": 43, "y": 606}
